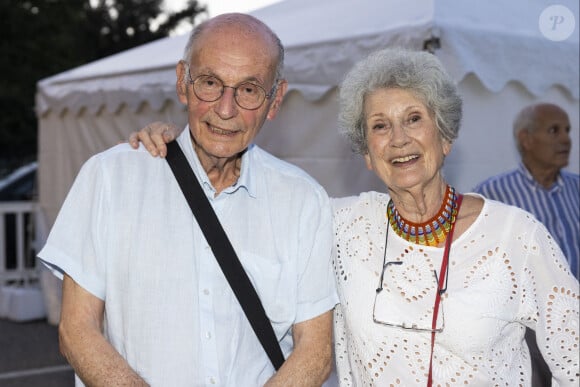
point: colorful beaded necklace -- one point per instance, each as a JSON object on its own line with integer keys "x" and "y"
{"x": 431, "y": 232}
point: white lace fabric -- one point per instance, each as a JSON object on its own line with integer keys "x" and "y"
{"x": 505, "y": 273}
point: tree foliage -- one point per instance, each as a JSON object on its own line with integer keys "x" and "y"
{"x": 41, "y": 38}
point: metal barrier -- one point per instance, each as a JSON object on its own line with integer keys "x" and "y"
{"x": 17, "y": 243}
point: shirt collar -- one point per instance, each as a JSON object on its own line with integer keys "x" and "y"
{"x": 559, "y": 184}
{"x": 245, "y": 181}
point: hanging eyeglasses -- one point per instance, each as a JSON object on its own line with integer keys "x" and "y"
{"x": 405, "y": 297}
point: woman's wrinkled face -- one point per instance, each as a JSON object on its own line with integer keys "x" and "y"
{"x": 405, "y": 148}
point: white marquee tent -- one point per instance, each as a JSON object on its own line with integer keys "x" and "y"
{"x": 495, "y": 50}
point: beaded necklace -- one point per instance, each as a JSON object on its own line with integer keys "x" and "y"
{"x": 431, "y": 232}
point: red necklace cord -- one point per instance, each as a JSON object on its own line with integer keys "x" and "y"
{"x": 442, "y": 278}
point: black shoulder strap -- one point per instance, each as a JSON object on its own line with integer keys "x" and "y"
{"x": 224, "y": 253}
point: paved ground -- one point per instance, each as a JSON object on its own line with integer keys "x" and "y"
{"x": 29, "y": 356}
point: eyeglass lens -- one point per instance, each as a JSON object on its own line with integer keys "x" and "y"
{"x": 247, "y": 94}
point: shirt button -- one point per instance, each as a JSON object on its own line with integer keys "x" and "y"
{"x": 212, "y": 380}
{"x": 208, "y": 335}
{"x": 206, "y": 292}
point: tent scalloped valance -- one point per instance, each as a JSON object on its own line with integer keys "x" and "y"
{"x": 497, "y": 46}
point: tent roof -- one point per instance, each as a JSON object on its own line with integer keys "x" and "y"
{"x": 498, "y": 41}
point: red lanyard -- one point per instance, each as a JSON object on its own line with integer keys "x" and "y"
{"x": 442, "y": 278}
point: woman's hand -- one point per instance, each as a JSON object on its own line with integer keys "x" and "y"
{"x": 154, "y": 136}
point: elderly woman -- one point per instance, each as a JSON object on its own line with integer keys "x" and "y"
{"x": 435, "y": 284}
{"x": 435, "y": 287}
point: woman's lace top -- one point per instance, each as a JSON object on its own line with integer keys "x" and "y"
{"x": 505, "y": 273}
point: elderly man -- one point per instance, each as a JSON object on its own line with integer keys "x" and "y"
{"x": 144, "y": 300}
{"x": 539, "y": 185}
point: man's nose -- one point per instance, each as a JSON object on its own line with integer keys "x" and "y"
{"x": 226, "y": 106}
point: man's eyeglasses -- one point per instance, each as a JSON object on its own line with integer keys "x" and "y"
{"x": 405, "y": 299}
{"x": 248, "y": 95}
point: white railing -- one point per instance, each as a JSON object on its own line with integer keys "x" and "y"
{"x": 17, "y": 247}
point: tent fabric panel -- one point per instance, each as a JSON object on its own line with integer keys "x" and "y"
{"x": 491, "y": 58}
{"x": 498, "y": 43}
{"x": 153, "y": 87}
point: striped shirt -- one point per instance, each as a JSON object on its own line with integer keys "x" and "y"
{"x": 558, "y": 208}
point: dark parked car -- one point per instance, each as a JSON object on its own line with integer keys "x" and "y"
{"x": 20, "y": 184}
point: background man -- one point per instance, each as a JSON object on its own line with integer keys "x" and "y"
{"x": 539, "y": 185}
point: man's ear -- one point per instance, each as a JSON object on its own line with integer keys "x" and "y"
{"x": 181, "y": 83}
{"x": 278, "y": 98}
{"x": 523, "y": 138}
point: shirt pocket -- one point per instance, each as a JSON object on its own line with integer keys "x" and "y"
{"x": 275, "y": 284}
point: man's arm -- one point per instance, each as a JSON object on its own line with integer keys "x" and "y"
{"x": 93, "y": 358}
{"x": 311, "y": 360}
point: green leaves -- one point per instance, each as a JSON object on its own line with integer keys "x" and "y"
{"x": 41, "y": 38}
